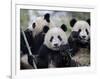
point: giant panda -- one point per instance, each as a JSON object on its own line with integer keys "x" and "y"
{"x": 51, "y": 53}
{"x": 40, "y": 22}
{"x": 79, "y": 41}
{"x": 80, "y": 35}
{"x": 35, "y": 36}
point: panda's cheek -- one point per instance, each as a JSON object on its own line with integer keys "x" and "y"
{"x": 87, "y": 37}
{"x": 52, "y": 45}
{"x": 63, "y": 43}
{"x": 59, "y": 43}
{"x": 80, "y": 35}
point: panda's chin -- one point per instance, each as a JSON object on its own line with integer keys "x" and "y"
{"x": 83, "y": 41}
{"x": 55, "y": 48}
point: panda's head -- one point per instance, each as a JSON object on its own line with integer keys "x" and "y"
{"x": 56, "y": 37}
{"x": 82, "y": 28}
{"x": 41, "y": 22}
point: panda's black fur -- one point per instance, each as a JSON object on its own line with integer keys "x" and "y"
{"x": 46, "y": 55}
{"x": 47, "y": 17}
{"x": 34, "y": 42}
{"x": 29, "y": 37}
{"x": 74, "y": 39}
{"x": 38, "y": 40}
{"x": 59, "y": 58}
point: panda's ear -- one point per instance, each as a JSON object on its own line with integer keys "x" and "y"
{"x": 88, "y": 21}
{"x": 47, "y": 17}
{"x": 72, "y": 22}
{"x": 45, "y": 29}
{"x": 63, "y": 27}
{"x": 33, "y": 25}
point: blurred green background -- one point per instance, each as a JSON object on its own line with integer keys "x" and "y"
{"x": 27, "y": 16}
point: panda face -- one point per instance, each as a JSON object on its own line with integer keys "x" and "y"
{"x": 56, "y": 41}
{"x": 54, "y": 38}
{"x": 83, "y": 29}
{"x": 40, "y": 23}
{"x": 84, "y": 35}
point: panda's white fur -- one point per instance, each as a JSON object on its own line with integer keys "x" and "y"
{"x": 40, "y": 22}
{"x": 55, "y": 32}
{"x": 83, "y": 25}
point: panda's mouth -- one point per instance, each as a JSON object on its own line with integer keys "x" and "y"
{"x": 57, "y": 47}
{"x": 83, "y": 40}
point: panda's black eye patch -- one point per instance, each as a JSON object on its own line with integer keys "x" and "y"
{"x": 79, "y": 30}
{"x": 87, "y": 31}
{"x": 51, "y": 39}
{"x": 33, "y": 25}
{"x": 59, "y": 37}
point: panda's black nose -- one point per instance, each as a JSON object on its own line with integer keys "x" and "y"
{"x": 83, "y": 36}
{"x": 55, "y": 45}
